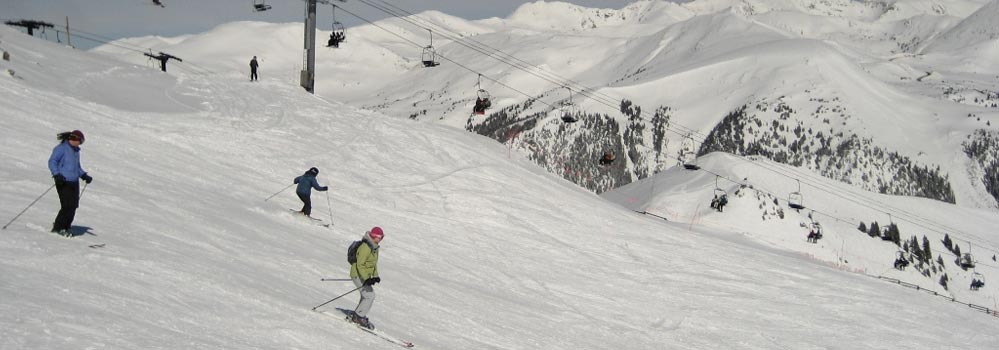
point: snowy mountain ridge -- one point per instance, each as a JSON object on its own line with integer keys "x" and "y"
{"x": 859, "y": 70}
{"x": 833, "y": 109}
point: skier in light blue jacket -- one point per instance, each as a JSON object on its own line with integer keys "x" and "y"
{"x": 64, "y": 163}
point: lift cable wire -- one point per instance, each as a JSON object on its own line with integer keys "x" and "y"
{"x": 418, "y": 45}
{"x": 78, "y": 33}
{"x": 511, "y": 60}
{"x": 519, "y": 64}
{"x": 606, "y": 100}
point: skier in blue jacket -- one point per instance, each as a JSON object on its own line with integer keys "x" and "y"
{"x": 306, "y": 183}
{"x": 67, "y": 173}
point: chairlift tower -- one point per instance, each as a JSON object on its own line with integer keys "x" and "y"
{"x": 31, "y": 25}
{"x": 163, "y": 58}
{"x": 309, "y": 70}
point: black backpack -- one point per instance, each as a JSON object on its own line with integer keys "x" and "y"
{"x": 352, "y": 252}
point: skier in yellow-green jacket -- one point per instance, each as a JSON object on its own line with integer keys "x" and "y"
{"x": 364, "y": 273}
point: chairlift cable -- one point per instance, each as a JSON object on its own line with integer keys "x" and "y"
{"x": 529, "y": 96}
{"x": 607, "y": 100}
{"x": 520, "y": 64}
{"x": 551, "y": 77}
{"x": 529, "y": 67}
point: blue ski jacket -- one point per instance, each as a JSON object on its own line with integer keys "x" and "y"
{"x": 306, "y": 183}
{"x": 65, "y": 160}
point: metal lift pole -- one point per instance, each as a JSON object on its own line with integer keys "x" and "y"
{"x": 309, "y": 71}
{"x": 69, "y": 37}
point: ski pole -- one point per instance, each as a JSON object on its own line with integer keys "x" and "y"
{"x": 29, "y": 206}
{"x": 282, "y": 190}
{"x": 341, "y": 296}
{"x": 335, "y": 279}
{"x": 84, "y": 190}
{"x": 328, "y": 205}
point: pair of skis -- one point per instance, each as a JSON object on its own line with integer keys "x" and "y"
{"x": 314, "y": 220}
{"x": 372, "y": 331}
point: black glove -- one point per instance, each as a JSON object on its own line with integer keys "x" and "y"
{"x": 324, "y": 188}
{"x": 371, "y": 281}
{"x": 87, "y": 178}
{"x": 59, "y": 179}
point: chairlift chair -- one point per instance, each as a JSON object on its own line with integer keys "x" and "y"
{"x": 260, "y": 5}
{"x": 482, "y": 94}
{"x": 689, "y": 161}
{"x": 977, "y": 281}
{"x": 967, "y": 261}
{"x": 719, "y": 201}
{"x": 568, "y": 110}
{"x": 337, "y": 34}
{"x": 482, "y": 101}
{"x": 568, "y": 117}
{"x": 429, "y": 56}
{"x": 900, "y": 261}
{"x": 815, "y": 233}
{"x": 688, "y": 153}
{"x": 339, "y": 30}
{"x": 720, "y": 198}
{"x": 795, "y": 200}
{"x": 718, "y": 190}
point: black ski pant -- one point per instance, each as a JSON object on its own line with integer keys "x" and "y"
{"x": 69, "y": 200}
{"x": 307, "y": 201}
{"x": 253, "y": 74}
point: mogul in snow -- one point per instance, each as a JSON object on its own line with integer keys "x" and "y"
{"x": 306, "y": 183}
{"x": 64, "y": 163}
{"x": 364, "y": 273}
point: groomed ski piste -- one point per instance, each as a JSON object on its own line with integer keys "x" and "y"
{"x": 483, "y": 250}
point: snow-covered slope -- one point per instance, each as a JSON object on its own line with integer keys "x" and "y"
{"x": 910, "y": 80}
{"x": 759, "y": 190}
{"x": 482, "y": 248}
{"x": 973, "y": 43}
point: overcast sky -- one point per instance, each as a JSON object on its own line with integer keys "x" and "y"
{"x": 129, "y": 18}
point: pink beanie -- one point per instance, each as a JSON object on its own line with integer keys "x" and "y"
{"x": 376, "y": 232}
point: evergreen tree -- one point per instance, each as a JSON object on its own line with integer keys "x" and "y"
{"x": 926, "y": 249}
{"x": 914, "y": 244}
{"x": 894, "y": 233}
{"x": 874, "y": 230}
{"x": 948, "y": 243}
{"x": 940, "y": 260}
{"x": 943, "y": 281}
{"x": 863, "y": 227}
